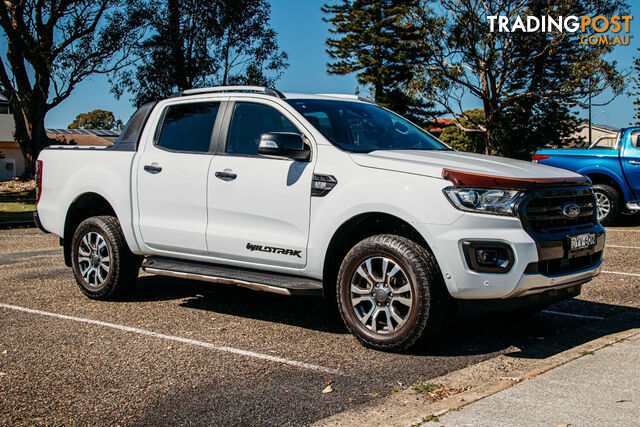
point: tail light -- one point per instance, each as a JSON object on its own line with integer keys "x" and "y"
{"x": 38, "y": 180}
{"x": 538, "y": 157}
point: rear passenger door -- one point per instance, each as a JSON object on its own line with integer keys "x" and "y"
{"x": 630, "y": 159}
{"x": 172, "y": 179}
{"x": 258, "y": 205}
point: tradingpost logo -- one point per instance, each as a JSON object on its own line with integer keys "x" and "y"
{"x": 618, "y": 25}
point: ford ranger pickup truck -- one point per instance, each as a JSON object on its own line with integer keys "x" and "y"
{"x": 614, "y": 171}
{"x": 317, "y": 195}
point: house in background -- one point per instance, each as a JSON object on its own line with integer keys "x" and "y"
{"x": 12, "y": 162}
{"x": 608, "y": 133}
{"x": 436, "y": 127}
{"x": 84, "y": 136}
{"x": 580, "y": 138}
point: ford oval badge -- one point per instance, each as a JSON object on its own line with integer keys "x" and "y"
{"x": 571, "y": 210}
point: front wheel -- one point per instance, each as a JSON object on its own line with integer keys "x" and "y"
{"x": 390, "y": 292}
{"x": 102, "y": 263}
{"x": 607, "y": 203}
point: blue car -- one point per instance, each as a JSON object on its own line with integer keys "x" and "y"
{"x": 614, "y": 171}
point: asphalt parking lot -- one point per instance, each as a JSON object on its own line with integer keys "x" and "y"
{"x": 186, "y": 352}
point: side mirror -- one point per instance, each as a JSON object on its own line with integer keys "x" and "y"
{"x": 285, "y": 144}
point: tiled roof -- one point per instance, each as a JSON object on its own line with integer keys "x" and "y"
{"x": 96, "y": 132}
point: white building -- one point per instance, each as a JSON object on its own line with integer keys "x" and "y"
{"x": 12, "y": 164}
{"x": 608, "y": 134}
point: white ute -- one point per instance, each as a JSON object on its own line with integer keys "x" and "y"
{"x": 318, "y": 194}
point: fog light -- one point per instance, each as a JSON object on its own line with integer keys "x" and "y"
{"x": 488, "y": 257}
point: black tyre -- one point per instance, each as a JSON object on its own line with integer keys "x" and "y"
{"x": 608, "y": 203}
{"x": 390, "y": 293}
{"x": 102, "y": 263}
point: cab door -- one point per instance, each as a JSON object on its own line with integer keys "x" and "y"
{"x": 258, "y": 205}
{"x": 172, "y": 179}
{"x": 630, "y": 159}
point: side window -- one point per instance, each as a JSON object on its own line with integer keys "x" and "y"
{"x": 188, "y": 127}
{"x": 635, "y": 139}
{"x": 130, "y": 135}
{"x": 249, "y": 122}
{"x": 321, "y": 121}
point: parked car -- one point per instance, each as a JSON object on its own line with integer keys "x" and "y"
{"x": 318, "y": 194}
{"x": 614, "y": 171}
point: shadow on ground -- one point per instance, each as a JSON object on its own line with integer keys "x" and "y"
{"x": 627, "y": 220}
{"x": 306, "y": 312}
{"x": 466, "y": 333}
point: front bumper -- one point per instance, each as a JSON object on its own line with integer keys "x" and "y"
{"x": 534, "y": 283}
{"x": 530, "y": 273}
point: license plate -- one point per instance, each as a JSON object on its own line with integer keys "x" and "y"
{"x": 582, "y": 241}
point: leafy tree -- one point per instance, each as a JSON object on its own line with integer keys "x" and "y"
{"x": 376, "y": 40}
{"x": 520, "y": 78}
{"x": 516, "y": 133}
{"x": 54, "y": 45}
{"x": 198, "y": 43}
{"x": 96, "y": 119}
{"x": 460, "y": 140}
{"x": 636, "y": 102}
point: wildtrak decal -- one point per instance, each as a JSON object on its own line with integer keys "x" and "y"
{"x": 273, "y": 250}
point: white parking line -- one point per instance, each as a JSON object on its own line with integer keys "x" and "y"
{"x": 623, "y": 247}
{"x": 622, "y": 273}
{"x": 225, "y": 349}
{"x": 17, "y": 256}
{"x": 580, "y": 316}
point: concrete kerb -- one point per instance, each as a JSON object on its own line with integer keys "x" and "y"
{"x": 483, "y": 379}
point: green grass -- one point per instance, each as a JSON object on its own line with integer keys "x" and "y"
{"x": 426, "y": 388}
{"x": 430, "y": 419}
{"x": 17, "y": 206}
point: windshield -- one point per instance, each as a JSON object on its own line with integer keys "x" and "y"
{"x": 362, "y": 127}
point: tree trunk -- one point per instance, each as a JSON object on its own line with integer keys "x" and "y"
{"x": 177, "y": 51}
{"x": 487, "y": 141}
{"x": 489, "y": 117}
{"x": 31, "y": 135}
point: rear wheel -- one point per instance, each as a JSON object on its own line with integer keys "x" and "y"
{"x": 390, "y": 292}
{"x": 102, "y": 263}
{"x": 607, "y": 203}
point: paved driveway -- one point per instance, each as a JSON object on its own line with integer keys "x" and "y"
{"x": 183, "y": 352}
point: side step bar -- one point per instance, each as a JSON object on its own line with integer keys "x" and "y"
{"x": 282, "y": 284}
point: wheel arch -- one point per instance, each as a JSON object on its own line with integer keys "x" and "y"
{"x": 358, "y": 228}
{"x": 601, "y": 178}
{"x": 610, "y": 178}
{"x": 83, "y": 206}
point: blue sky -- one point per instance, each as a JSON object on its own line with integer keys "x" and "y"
{"x": 301, "y": 33}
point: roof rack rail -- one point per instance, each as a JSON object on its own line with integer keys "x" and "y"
{"x": 214, "y": 89}
{"x": 348, "y": 96}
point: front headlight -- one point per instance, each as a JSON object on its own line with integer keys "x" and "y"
{"x": 484, "y": 200}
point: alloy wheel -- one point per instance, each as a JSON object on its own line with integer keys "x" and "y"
{"x": 94, "y": 259}
{"x": 603, "y": 205}
{"x": 381, "y": 295}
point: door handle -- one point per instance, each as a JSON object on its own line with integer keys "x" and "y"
{"x": 634, "y": 162}
{"x": 226, "y": 176}
{"x": 153, "y": 168}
